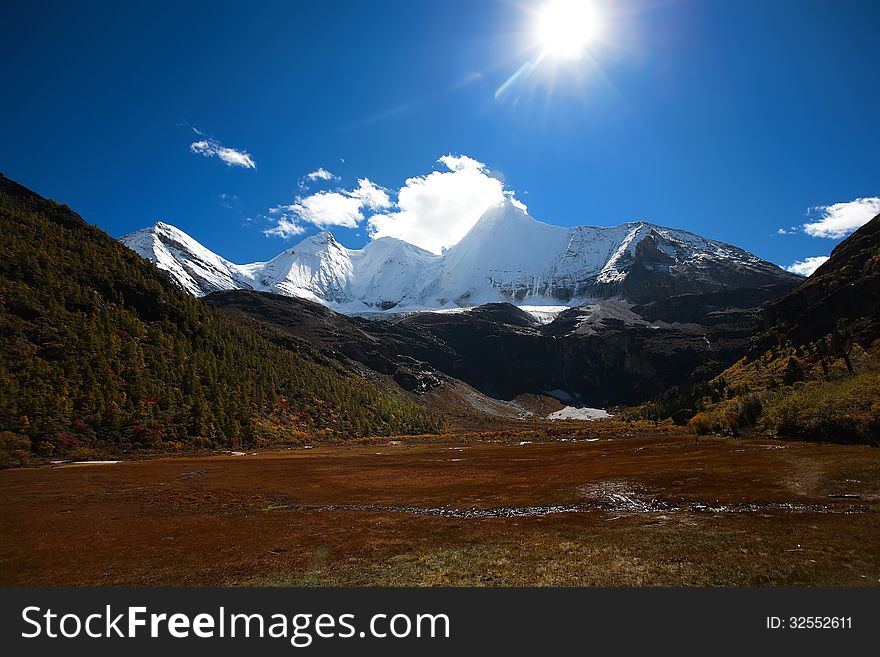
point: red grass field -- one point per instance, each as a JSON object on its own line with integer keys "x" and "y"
{"x": 650, "y": 509}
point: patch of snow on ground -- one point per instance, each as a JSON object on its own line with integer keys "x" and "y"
{"x": 575, "y": 413}
{"x": 63, "y": 463}
{"x": 95, "y": 462}
{"x": 544, "y": 314}
{"x": 455, "y": 310}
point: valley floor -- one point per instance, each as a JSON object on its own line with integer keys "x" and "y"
{"x": 663, "y": 509}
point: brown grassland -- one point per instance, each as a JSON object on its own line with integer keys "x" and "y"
{"x": 606, "y": 506}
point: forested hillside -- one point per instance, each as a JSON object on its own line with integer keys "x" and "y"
{"x": 98, "y": 352}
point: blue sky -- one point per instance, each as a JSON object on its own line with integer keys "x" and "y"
{"x": 730, "y": 119}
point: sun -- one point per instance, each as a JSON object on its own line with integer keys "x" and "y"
{"x": 566, "y": 28}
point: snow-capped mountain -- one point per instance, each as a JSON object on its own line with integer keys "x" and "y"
{"x": 506, "y": 256}
{"x": 196, "y": 269}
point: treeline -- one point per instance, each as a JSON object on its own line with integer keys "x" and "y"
{"x": 98, "y": 351}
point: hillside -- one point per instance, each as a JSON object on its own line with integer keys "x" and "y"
{"x": 813, "y": 371}
{"x": 383, "y": 347}
{"x": 607, "y": 353}
{"x": 846, "y": 287}
{"x": 100, "y": 352}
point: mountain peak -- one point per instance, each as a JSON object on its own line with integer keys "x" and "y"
{"x": 846, "y": 286}
{"x": 320, "y": 241}
{"x": 164, "y": 228}
{"x": 505, "y": 212}
{"x": 506, "y": 256}
{"x": 323, "y": 236}
{"x": 194, "y": 267}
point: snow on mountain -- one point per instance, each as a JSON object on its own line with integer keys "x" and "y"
{"x": 196, "y": 269}
{"x": 506, "y": 256}
{"x": 388, "y": 270}
{"x": 318, "y": 268}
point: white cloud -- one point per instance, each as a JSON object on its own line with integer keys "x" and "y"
{"x": 321, "y": 174}
{"x": 514, "y": 201}
{"x": 328, "y": 209}
{"x": 372, "y": 196}
{"x": 435, "y": 211}
{"x": 460, "y": 162}
{"x": 231, "y": 156}
{"x": 341, "y": 208}
{"x": 807, "y": 266}
{"x": 841, "y": 219}
{"x": 286, "y": 228}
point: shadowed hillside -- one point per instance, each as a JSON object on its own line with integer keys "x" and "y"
{"x": 100, "y": 352}
{"x": 814, "y": 370}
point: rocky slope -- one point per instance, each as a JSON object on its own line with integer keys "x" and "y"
{"x": 610, "y": 352}
{"x": 846, "y": 287}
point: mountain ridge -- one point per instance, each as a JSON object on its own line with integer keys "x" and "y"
{"x": 846, "y": 286}
{"x": 812, "y": 370}
{"x": 507, "y": 256}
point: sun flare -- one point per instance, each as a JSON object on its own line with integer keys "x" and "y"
{"x": 566, "y": 28}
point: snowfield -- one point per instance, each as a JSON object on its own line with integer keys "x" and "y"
{"x": 544, "y": 314}
{"x": 575, "y": 413}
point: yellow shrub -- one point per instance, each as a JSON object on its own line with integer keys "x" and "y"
{"x": 846, "y": 410}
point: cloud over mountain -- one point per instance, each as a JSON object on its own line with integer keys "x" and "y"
{"x": 841, "y": 219}
{"x": 432, "y": 211}
{"x": 436, "y": 210}
{"x": 340, "y": 208}
{"x": 807, "y": 266}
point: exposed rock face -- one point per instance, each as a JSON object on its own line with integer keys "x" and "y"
{"x": 601, "y": 354}
{"x": 610, "y": 352}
